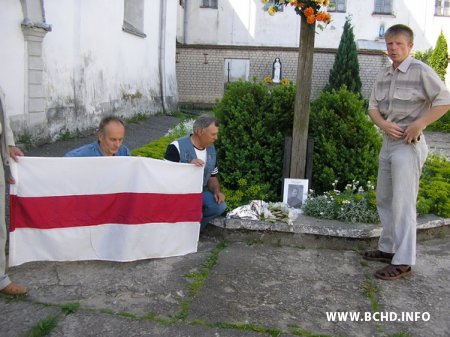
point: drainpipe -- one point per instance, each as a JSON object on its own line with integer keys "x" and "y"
{"x": 185, "y": 22}
{"x": 162, "y": 53}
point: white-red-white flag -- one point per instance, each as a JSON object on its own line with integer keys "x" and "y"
{"x": 103, "y": 208}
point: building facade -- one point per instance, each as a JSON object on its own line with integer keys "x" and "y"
{"x": 65, "y": 64}
{"x": 242, "y": 40}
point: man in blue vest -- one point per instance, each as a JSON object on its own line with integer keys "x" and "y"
{"x": 111, "y": 133}
{"x": 198, "y": 149}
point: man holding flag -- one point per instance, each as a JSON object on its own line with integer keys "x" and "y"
{"x": 8, "y": 149}
{"x": 111, "y": 133}
{"x": 198, "y": 149}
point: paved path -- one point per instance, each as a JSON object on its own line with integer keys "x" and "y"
{"x": 244, "y": 288}
{"x": 438, "y": 142}
{"x": 237, "y": 289}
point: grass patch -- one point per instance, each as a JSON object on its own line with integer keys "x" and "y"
{"x": 43, "y": 327}
{"x": 371, "y": 290}
{"x": 26, "y": 140}
{"x": 70, "y": 308}
{"x": 65, "y": 134}
{"x": 198, "y": 278}
{"x": 401, "y": 334}
{"x": 298, "y": 331}
{"x": 158, "y": 319}
{"x": 247, "y": 327}
{"x": 136, "y": 119}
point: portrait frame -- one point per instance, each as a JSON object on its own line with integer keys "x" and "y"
{"x": 289, "y": 196}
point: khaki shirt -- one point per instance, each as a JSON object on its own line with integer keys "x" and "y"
{"x": 6, "y": 134}
{"x": 404, "y": 94}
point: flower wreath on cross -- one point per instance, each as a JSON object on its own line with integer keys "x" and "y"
{"x": 312, "y": 10}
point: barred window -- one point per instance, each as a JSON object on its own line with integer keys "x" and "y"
{"x": 133, "y": 17}
{"x": 442, "y": 8}
{"x": 208, "y": 4}
{"x": 383, "y": 7}
{"x": 337, "y": 6}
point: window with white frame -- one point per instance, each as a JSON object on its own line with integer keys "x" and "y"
{"x": 337, "y": 6}
{"x": 383, "y": 7}
{"x": 133, "y": 17}
{"x": 208, "y": 3}
{"x": 442, "y": 8}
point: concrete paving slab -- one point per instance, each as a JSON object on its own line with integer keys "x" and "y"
{"x": 281, "y": 287}
{"x": 88, "y": 324}
{"x": 142, "y": 287}
{"x": 427, "y": 292}
{"x": 18, "y": 317}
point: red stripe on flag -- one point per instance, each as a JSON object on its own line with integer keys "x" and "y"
{"x": 97, "y": 209}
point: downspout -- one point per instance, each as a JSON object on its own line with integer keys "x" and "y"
{"x": 185, "y": 22}
{"x": 162, "y": 54}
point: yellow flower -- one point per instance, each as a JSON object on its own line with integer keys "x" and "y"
{"x": 284, "y": 81}
{"x": 264, "y": 1}
{"x": 272, "y": 10}
{"x": 267, "y": 79}
{"x": 282, "y": 2}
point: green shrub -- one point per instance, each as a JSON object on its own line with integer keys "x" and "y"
{"x": 155, "y": 149}
{"x": 441, "y": 125}
{"x": 423, "y": 56}
{"x": 354, "y": 204}
{"x": 346, "y": 142}
{"x": 245, "y": 193}
{"x": 439, "y": 58}
{"x": 434, "y": 191}
{"x": 254, "y": 119}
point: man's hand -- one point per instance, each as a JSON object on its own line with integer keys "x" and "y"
{"x": 198, "y": 162}
{"x": 393, "y": 130}
{"x": 219, "y": 197}
{"x": 412, "y": 132}
{"x": 15, "y": 152}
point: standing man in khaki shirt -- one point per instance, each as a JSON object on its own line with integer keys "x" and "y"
{"x": 407, "y": 96}
{"x": 8, "y": 149}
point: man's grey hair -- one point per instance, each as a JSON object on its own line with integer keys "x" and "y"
{"x": 400, "y": 29}
{"x": 203, "y": 122}
{"x": 108, "y": 119}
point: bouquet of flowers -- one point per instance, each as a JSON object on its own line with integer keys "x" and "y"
{"x": 312, "y": 10}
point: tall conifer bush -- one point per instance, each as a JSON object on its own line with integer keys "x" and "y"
{"x": 345, "y": 69}
{"x": 439, "y": 58}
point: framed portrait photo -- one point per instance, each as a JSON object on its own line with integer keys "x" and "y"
{"x": 295, "y": 192}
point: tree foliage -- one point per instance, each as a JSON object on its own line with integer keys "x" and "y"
{"x": 346, "y": 142}
{"x": 439, "y": 58}
{"x": 254, "y": 120}
{"x": 345, "y": 69}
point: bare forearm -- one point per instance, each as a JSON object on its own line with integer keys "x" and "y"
{"x": 214, "y": 185}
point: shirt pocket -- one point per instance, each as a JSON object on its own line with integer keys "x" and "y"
{"x": 408, "y": 94}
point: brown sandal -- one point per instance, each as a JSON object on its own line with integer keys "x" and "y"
{"x": 393, "y": 272}
{"x": 14, "y": 289}
{"x": 378, "y": 255}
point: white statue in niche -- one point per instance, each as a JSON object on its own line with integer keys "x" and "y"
{"x": 276, "y": 71}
